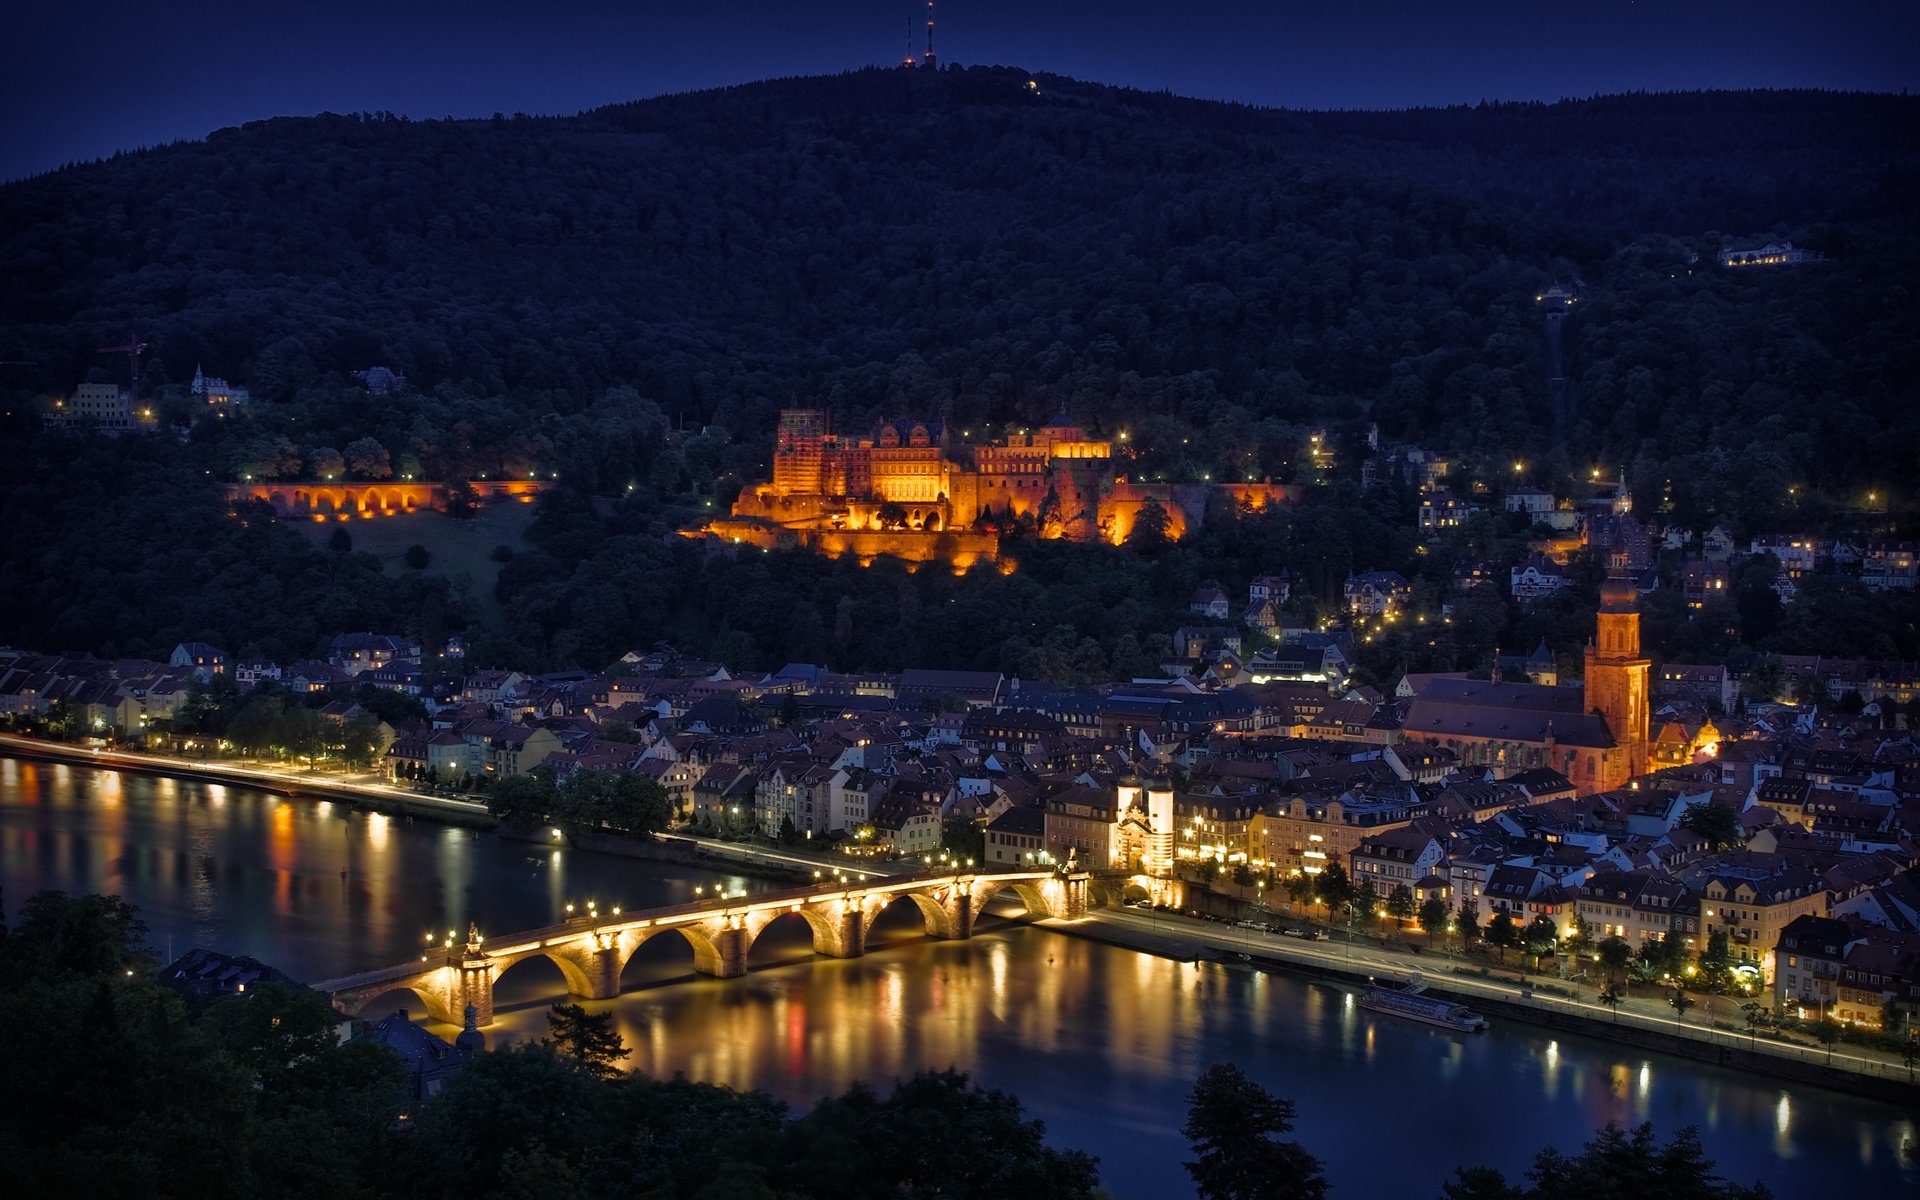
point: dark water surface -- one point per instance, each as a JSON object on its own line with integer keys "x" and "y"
{"x": 1100, "y": 1042}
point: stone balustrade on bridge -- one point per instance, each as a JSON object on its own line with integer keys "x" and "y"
{"x": 593, "y": 951}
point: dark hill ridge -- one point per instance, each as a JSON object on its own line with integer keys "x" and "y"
{"x": 971, "y": 247}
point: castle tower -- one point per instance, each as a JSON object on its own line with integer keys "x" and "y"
{"x": 1617, "y": 677}
{"x": 799, "y": 452}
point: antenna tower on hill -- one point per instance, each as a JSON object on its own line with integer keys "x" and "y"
{"x": 930, "y": 62}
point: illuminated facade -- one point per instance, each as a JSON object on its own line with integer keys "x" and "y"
{"x": 1617, "y": 680}
{"x": 907, "y": 492}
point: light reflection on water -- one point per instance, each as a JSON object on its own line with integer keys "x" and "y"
{"x": 1101, "y": 1043}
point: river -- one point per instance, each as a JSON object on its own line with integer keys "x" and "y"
{"x": 1100, "y": 1042}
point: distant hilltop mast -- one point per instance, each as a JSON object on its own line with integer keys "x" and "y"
{"x": 907, "y": 63}
{"x": 930, "y": 62}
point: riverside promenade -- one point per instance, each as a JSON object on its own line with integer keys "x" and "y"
{"x": 1539, "y": 1000}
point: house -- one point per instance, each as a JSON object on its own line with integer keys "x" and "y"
{"x": 975, "y": 689}
{"x": 1377, "y": 593}
{"x": 1017, "y": 838}
{"x": 724, "y": 795}
{"x": 1798, "y": 553}
{"x": 1209, "y": 602}
{"x": 1532, "y": 501}
{"x": 1752, "y": 899}
{"x": 205, "y": 661}
{"x": 906, "y": 824}
{"x": 1275, "y": 588}
{"x": 1889, "y": 566}
{"x": 202, "y": 974}
{"x": 1472, "y": 573}
{"x": 1444, "y": 510}
{"x": 427, "y": 1062}
{"x": 1510, "y": 889}
{"x": 1773, "y": 254}
{"x": 1300, "y": 834}
{"x": 1702, "y": 582}
{"x": 1632, "y": 905}
{"x": 1539, "y": 667}
{"x": 1537, "y": 577}
{"x": 357, "y": 652}
{"x": 1396, "y": 858}
{"x": 1196, "y": 641}
{"x": 1082, "y": 821}
{"x": 1808, "y": 958}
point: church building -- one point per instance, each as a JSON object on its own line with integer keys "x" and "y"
{"x": 1596, "y": 735}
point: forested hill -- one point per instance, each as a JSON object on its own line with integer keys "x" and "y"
{"x": 982, "y": 244}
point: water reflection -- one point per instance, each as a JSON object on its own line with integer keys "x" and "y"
{"x": 1100, "y": 1043}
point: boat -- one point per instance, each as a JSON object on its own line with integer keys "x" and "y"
{"x": 1411, "y": 1002}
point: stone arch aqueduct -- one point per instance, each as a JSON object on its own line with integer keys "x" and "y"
{"x": 592, "y": 951}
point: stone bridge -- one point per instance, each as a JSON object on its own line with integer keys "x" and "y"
{"x": 591, "y": 952}
{"x": 342, "y": 501}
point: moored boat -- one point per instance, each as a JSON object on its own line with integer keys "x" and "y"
{"x": 1420, "y": 1007}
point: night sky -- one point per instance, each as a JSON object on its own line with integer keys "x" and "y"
{"x": 82, "y": 78}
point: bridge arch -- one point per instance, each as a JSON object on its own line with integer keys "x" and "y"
{"x": 1032, "y": 896}
{"x": 380, "y": 1000}
{"x": 939, "y": 923}
{"x": 578, "y": 983}
{"x": 706, "y": 952}
{"x": 826, "y": 922}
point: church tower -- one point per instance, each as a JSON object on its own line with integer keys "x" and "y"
{"x": 1617, "y": 678}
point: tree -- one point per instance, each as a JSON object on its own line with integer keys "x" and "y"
{"x": 789, "y": 833}
{"x": 417, "y": 557}
{"x": 522, "y": 801}
{"x": 56, "y": 936}
{"x": 325, "y": 463}
{"x": 1151, "y": 526}
{"x": 340, "y": 541}
{"x": 1611, "y": 997}
{"x": 367, "y": 458}
{"x": 1615, "y": 953}
{"x": 1400, "y": 904}
{"x": 1540, "y": 937}
{"x": 962, "y": 838}
{"x": 1716, "y": 961}
{"x": 1232, "y": 1123}
{"x": 1467, "y": 923}
{"x": 359, "y": 741}
{"x": 1366, "y": 901}
{"x": 1613, "y": 1163}
{"x": 1719, "y": 824}
{"x": 1501, "y": 934}
{"x": 891, "y": 515}
{"x": 1680, "y": 1002}
{"x": 862, "y": 1147}
{"x": 1333, "y": 887}
{"x": 1433, "y": 917}
{"x": 587, "y": 1040}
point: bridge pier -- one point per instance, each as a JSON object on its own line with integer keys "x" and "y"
{"x": 957, "y": 903}
{"x": 475, "y": 982}
{"x": 730, "y": 952}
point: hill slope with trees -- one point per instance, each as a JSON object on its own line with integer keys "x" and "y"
{"x": 624, "y": 299}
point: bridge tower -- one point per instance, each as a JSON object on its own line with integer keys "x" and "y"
{"x": 473, "y": 991}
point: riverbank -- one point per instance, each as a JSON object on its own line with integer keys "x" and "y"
{"x": 299, "y": 785}
{"x": 1165, "y": 938}
{"x": 681, "y": 849}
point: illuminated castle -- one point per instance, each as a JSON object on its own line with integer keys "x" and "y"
{"x": 906, "y": 491}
